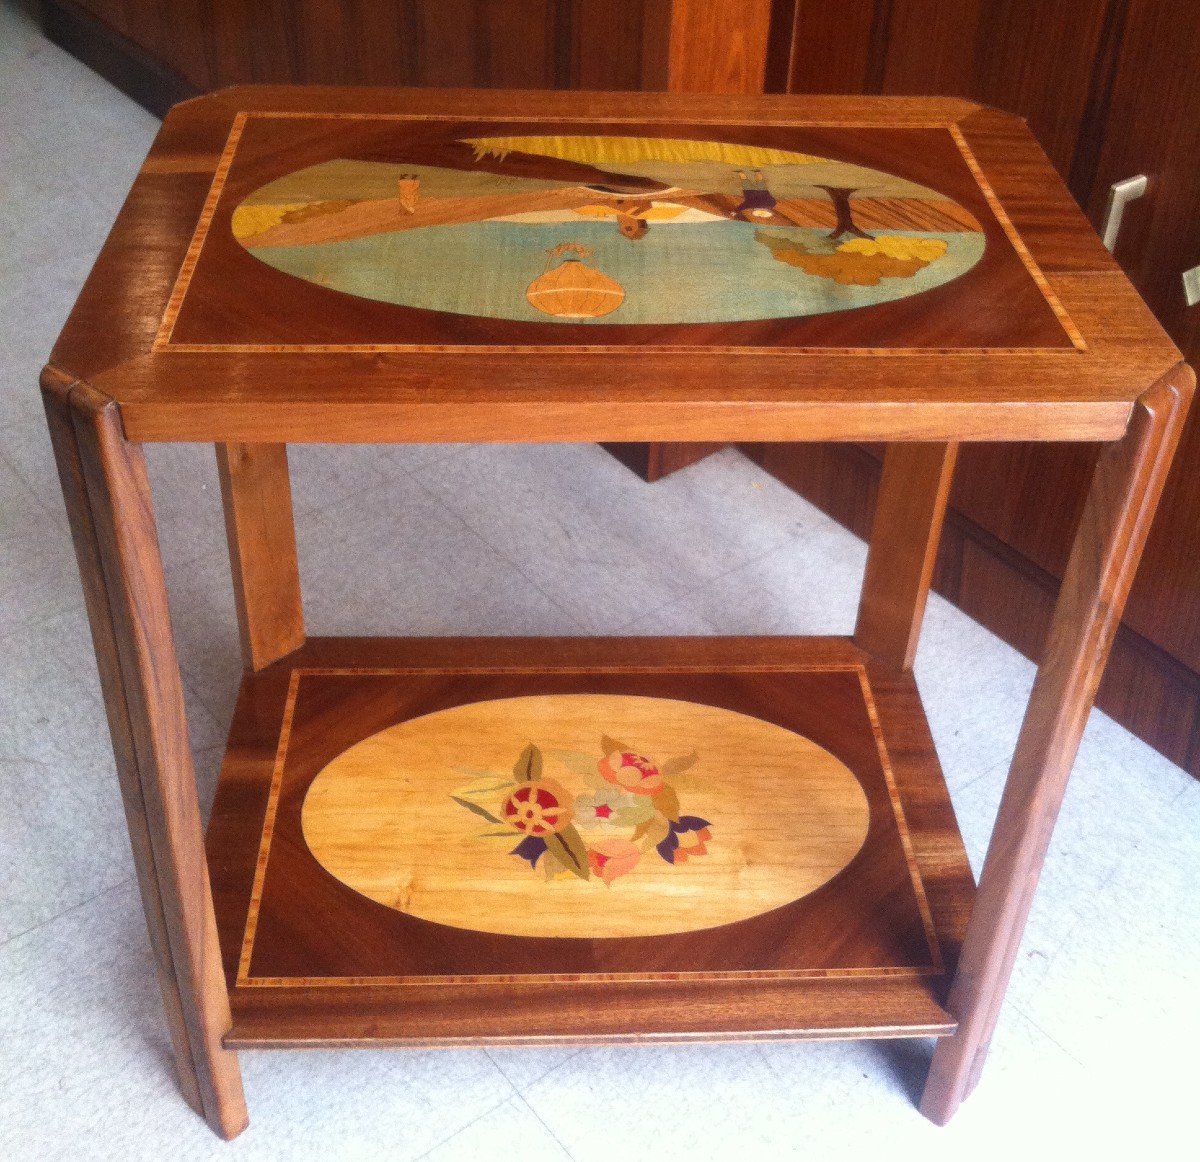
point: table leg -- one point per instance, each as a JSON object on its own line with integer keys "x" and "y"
{"x": 908, "y": 521}
{"x": 1116, "y": 518}
{"x": 262, "y": 550}
{"x": 112, "y": 521}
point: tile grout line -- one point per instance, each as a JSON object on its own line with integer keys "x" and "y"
{"x": 89, "y": 691}
{"x": 475, "y": 1120}
{"x": 541, "y": 1076}
{"x": 66, "y": 912}
{"x": 680, "y": 595}
{"x": 1053, "y": 1040}
{"x": 998, "y": 765}
{"x": 53, "y": 509}
{"x": 497, "y": 552}
{"x": 692, "y": 591}
{"x": 540, "y": 1120}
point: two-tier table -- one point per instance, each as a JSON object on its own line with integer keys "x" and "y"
{"x": 530, "y": 841}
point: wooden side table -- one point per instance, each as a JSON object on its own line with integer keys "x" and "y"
{"x": 529, "y": 841}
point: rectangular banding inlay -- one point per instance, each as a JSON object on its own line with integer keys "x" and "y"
{"x": 815, "y": 864}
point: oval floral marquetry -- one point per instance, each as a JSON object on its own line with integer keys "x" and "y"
{"x": 585, "y": 815}
{"x": 610, "y": 230}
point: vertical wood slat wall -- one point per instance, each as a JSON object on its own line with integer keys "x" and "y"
{"x": 166, "y": 49}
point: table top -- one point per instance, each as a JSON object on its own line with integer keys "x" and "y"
{"x": 351, "y": 264}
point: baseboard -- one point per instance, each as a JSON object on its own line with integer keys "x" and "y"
{"x": 654, "y": 461}
{"x": 1145, "y": 689}
{"x": 117, "y": 59}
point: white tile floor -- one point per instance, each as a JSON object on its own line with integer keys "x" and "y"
{"x": 1095, "y": 1053}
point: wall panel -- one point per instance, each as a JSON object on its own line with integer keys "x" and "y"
{"x": 599, "y": 44}
{"x": 831, "y": 46}
{"x": 1111, "y": 89}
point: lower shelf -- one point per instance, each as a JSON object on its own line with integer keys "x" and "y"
{"x": 527, "y": 841}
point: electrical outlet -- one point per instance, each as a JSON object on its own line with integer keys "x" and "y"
{"x": 1191, "y": 286}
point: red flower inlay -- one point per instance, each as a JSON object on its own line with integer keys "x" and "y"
{"x": 538, "y": 808}
{"x": 610, "y": 858}
{"x": 632, "y": 771}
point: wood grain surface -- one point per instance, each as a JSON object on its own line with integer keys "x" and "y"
{"x": 904, "y": 543}
{"x": 654, "y": 461}
{"x": 112, "y": 522}
{"x": 521, "y": 44}
{"x": 719, "y": 48}
{"x": 1124, "y": 494}
{"x": 332, "y": 693}
{"x": 471, "y": 230}
{"x": 703, "y": 57}
{"x": 173, "y": 338}
{"x": 903, "y": 370}
{"x": 423, "y": 816}
{"x": 257, "y": 499}
{"x": 224, "y": 302}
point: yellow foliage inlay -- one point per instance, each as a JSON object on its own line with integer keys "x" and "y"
{"x": 601, "y": 151}
{"x": 596, "y": 211}
{"x": 251, "y": 220}
{"x": 924, "y": 250}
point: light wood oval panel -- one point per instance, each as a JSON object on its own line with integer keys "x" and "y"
{"x": 585, "y": 816}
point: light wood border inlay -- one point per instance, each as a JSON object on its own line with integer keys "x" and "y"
{"x": 162, "y": 341}
{"x": 192, "y": 257}
{"x": 936, "y": 967}
{"x": 1018, "y": 243}
{"x": 910, "y": 856}
{"x": 264, "y": 847}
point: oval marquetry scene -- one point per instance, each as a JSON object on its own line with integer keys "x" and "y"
{"x": 610, "y": 230}
{"x": 585, "y": 815}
